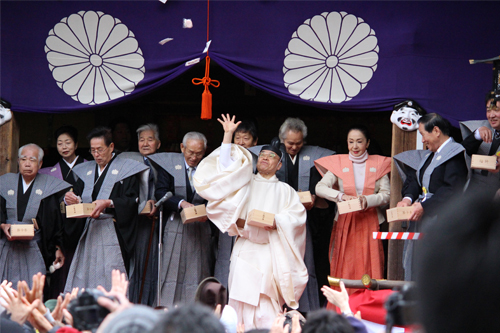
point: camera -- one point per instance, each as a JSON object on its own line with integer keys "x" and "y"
{"x": 401, "y": 307}
{"x": 87, "y": 313}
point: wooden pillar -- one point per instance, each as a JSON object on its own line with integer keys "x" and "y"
{"x": 401, "y": 141}
{"x": 9, "y": 144}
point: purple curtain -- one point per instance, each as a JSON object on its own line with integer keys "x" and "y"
{"x": 64, "y": 56}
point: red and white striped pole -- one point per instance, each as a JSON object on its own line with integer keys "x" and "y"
{"x": 396, "y": 235}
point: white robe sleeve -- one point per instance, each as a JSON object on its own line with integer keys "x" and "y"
{"x": 288, "y": 246}
{"x": 324, "y": 188}
{"x": 226, "y": 190}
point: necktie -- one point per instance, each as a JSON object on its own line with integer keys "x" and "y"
{"x": 495, "y": 143}
{"x": 190, "y": 176}
{"x": 151, "y": 179}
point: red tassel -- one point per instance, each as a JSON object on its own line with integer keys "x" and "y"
{"x": 206, "y": 97}
{"x": 206, "y": 105}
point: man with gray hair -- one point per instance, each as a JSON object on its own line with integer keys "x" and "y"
{"x": 144, "y": 266}
{"x": 187, "y": 256}
{"x": 299, "y": 172}
{"x": 31, "y": 199}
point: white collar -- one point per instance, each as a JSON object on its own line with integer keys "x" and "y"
{"x": 99, "y": 172}
{"x": 72, "y": 164}
{"x": 444, "y": 143}
{"x": 293, "y": 158}
{"x": 26, "y": 186}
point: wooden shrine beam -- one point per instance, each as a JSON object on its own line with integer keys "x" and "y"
{"x": 9, "y": 144}
{"x": 401, "y": 141}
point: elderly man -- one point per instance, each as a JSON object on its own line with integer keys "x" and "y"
{"x": 440, "y": 174}
{"x": 30, "y": 198}
{"x": 187, "y": 256}
{"x": 299, "y": 172}
{"x": 267, "y": 269}
{"x": 245, "y": 136}
{"x": 108, "y": 235}
{"x": 144, "y": 271}
{"x": 483, "y": 137}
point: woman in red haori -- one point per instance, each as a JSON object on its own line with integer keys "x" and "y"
{"x": 353, "y": 251}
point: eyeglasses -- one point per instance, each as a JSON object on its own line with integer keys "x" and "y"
{"x": 267, "y": 155}
{"x": 190, "y": 153}
{"x": 24, "y": 159}
{"x": 99, "y": 151}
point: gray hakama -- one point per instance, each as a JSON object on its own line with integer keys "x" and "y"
{"x": 146, "y": 229}
{"x": 98, "y": 251}
{"x": 20, "y": 260}
{"x": 187, "y": 252}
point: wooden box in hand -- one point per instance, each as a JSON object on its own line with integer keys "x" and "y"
{"x": 258, "y": 218}
{"x": 483, "y": 162}
{"x": 79, "y": 210}
{"x": 193, "y": 214}
{"x": 349, "y": 206}
{"x": 22, "y": 231}
{"x": 398, "y": 214}
{"x": 305, "y": 197}
{"x": 147, "y": 209}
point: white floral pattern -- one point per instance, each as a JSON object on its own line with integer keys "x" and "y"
{"x": 94, "y": 57}
{"x": 10, "y": 192}
{"x": 330, "y": 58}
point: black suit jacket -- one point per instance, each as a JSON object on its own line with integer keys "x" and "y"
{"x": 471, "y": 145}
{"x": 165, "y": 184}
{"x": 446, "y": 180}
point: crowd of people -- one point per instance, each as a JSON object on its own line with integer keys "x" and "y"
{"x": 248, "y": 275}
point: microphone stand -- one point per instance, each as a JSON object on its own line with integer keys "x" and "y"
{"x": 159, "y": 204}
{"x": 160, "y": 250}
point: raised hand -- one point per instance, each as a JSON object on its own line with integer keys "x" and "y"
{"x": 36, "y": 291}
{"x": 19, "y": 309}
{"x": 39, "y": 322}
{"x": 229, "y": 127}
{"x": 57, "y": 314}
{"x": 119, "y": 283}
{"x": 337, "y": 298}
{"x": 119, "y": 304}
{"x": 228, "y": 123}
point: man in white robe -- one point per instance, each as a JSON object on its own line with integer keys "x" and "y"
{"x": 267, "y": 268}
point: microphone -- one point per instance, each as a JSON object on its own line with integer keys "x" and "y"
{"x": 167, "y": 196}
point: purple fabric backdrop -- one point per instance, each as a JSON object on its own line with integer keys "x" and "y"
{"x": 396, "y": 50}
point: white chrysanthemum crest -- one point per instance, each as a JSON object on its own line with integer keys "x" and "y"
{"x": 330, "y": 58}
{"x": 94, "y": 57}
